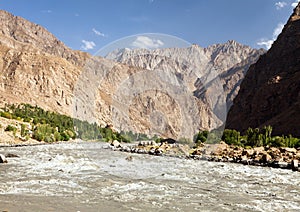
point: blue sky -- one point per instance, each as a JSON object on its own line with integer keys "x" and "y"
{"x": 91, "y": 24}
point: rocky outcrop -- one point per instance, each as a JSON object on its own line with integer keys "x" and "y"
{"x": 36, "y": 67}
{"x": 202, "y": 83}
{"x": 270, "y": 92}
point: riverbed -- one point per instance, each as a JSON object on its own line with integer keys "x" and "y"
{"x": 88, "y": 176}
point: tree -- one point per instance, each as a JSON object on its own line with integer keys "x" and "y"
{"x": 232, "y": 137}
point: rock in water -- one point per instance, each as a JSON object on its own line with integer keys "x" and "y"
{"x": 295, "y": 165}
{"x": 2, "y": 159}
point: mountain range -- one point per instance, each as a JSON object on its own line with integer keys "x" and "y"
{"x": 171, "y": 92}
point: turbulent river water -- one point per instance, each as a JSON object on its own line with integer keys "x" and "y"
{"x": 86, "y": 176}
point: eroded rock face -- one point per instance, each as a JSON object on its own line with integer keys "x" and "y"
{"x": 21, "y": 35}
{"x": 270, "y": 92}
{"x": 208, "y": 77}
{"x": 38, "y": 69}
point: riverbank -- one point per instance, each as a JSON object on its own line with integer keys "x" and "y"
{"x": 285, "y": 158}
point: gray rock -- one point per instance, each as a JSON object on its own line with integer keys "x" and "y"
{"x": 2, "y": 159}
{"x": 295, "y": 165}
{"x": 116, "y": 144}
{"x": 283, "y": 164}
{"x": 11, "y": 155}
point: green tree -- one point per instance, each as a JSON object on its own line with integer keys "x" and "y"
{"x": 232, "y": 137}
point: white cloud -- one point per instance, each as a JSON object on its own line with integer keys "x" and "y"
{"x": 280, "y": 4}
{"x": 295, "y": 3}
{"x": 98, "y": 32}
{"x": 278, "y": 30}
{"x": 88, "y": 45}
{"x": 268, "y": 42}
{"x": 46, "y": 11}
{"x": 144, "y": 42}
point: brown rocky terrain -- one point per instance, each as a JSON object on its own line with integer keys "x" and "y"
{"x": 210, "y": 77}
{"x": 270, "y": 92}
{"x": 38, "y": 69}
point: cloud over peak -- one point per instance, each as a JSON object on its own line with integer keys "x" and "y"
{"x": 267, "y": 43}
{"x": 144, "y": 42}
{"x": 87, "y": 45}
{"x": 295, "y": 3}
{"x": 280, "y": 4}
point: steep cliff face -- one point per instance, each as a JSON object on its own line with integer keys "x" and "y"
{"x": 270, "y": 92}
{"x": 36, "y": 68}
{"x": 212, "y": 74}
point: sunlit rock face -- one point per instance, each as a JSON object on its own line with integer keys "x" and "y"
{"x": 202, "y": 82}
{"x": 170, "y": 92}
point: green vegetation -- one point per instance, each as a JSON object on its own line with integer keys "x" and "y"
{"x": 10, "y": 128}
{"x": 50, "y": 126}
{"x": 201, "y": 137}
{"x": 259, "y": 137}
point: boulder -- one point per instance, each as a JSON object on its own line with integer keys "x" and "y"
{"x": 266, "y": 158}
{"x": 248, "y": 152}
{"x": 129, "y": 158}
{"x": 295, "y": 165}
{"x": 258, "y": 150}
{"x": 283, "y": 164}
{"x": 220, "y": 148}
{"x": 2, "y": 159}
{"x": 11, "y": 155}
{"x": 244, "y": 160}
{"x": 288, "y": 150}
{"x": 116, "y": 144}
{"x": 168, "y": 141}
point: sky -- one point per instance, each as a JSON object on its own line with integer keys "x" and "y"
{"x": 90, "y": 25}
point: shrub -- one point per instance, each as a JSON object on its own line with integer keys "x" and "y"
{"x": 48, "y": 139}
{"x": 10, "y": 128}
{"x": 23, "y": 130}
{"x": 254, "y": 138}
{"x": 232, "y": 137}
{"x": 57, "y": 136}
{"x": 65, "y": 136}
{"x": 6, "y": 115}
{"x": 201, "y": 136}
{"x": 38, "y": 136}
{"x": 277, "y": 142}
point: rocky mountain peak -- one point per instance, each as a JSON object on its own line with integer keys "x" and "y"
{"x": 296, "y": 15}
{"x": 18, "y": 33}
{"x": 210, "y": 75}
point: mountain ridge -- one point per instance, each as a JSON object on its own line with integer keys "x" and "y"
{"x": 40, "y": 70}
{"x": 269, "y": 94}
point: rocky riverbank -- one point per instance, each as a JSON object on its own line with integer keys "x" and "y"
{"x": 285, "y": 158}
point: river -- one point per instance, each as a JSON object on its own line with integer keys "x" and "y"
{"x": 87, "y": 176}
